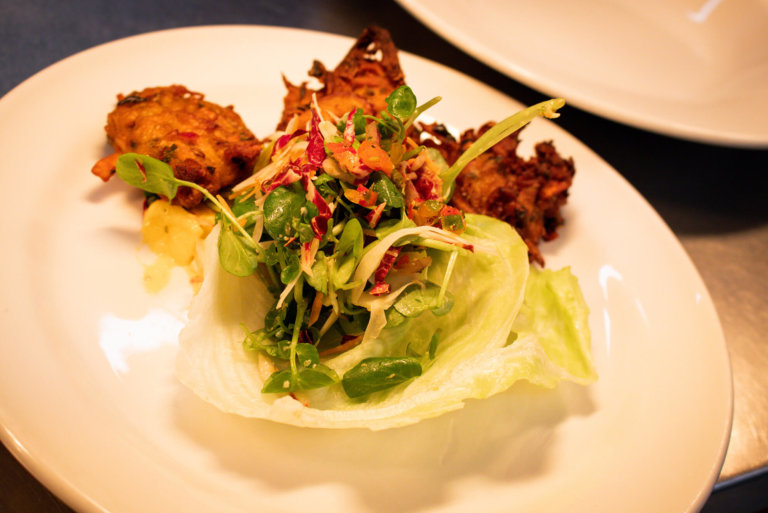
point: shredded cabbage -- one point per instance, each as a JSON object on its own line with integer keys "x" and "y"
{"x": 509, "y": 322}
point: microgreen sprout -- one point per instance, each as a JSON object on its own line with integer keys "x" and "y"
{"x": 344, "y": 258}
{"x": 496, "y": 133}
{"x": 238, "y": 252}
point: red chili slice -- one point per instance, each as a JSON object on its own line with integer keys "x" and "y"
{"x": 379, "y": 289}
{"x": 386, "y": 264}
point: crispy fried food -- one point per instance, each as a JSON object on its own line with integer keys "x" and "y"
{"x": 528, "y": 194}
{"x": 202, "y": 141}
{"x": 363, "y": 79}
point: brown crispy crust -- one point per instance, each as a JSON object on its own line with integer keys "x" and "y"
{"x": 526, "y": 193}
{"x": 203, "y": 142}
{"x": 210, "y": 145}
{"x": 363, "y": 79}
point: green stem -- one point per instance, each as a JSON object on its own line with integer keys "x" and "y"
{"x": 495, "y": 134}
{"x": 301, "y": 307}
{"x": 224, "y": 211}
{"x": 447, "y": 277}
{"x": 436, "y": 244}
{"x": 338, "y": 228}
{"x": 421, "y": 108}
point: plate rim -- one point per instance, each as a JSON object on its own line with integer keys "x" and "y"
{"x": 577, "y": 96}
{"x": 64, "y": 489}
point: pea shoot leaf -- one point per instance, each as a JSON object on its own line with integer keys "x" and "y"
{"x": 148, "y": 174}
{"x": 348, "y": 252}
{"x": 281, "y": 207}
{"x": 307, "y": 378}
{"x": 401, "y": 103}
{"x": 418, "y": 300}
{"x": 259, "y": 340}
{"x": 319, "y": 278}
{"x": 237, "y": 255}
{"x": 379, "y": 373}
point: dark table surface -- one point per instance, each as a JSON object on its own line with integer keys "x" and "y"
{"x": 714, "y": 198}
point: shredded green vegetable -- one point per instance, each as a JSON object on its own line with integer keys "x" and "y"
{"x": 344, "y": 224}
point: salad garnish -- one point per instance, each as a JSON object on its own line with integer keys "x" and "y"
{"x": 342, "y": 221}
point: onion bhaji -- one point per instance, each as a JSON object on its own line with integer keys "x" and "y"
{"x": 209, "y": 144}
{"x": 526, "y": 193}
{"x": 203, "y": 142}
{"x": 363, "y": 79}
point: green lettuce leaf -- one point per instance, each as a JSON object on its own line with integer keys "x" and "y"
{"x": 470, "y": 352}
{"x": 553, "y": 320}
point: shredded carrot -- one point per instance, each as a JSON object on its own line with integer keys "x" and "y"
{"x": 375, "y": 157}
{"x": 317, "y": 305}
{"x": 225, "y": 205}
{"x": 251, "y": 192}
{"x": 349, "y": 344}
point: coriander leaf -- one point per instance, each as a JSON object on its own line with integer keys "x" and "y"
{"x": 271, "y": 254}
{"x": 304, "y": 231}
{"x": 379, "y": 373}
{"x": 358, "y": 121}
{"x": 387, "y": 128}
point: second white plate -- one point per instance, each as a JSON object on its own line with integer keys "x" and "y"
{"x": 695, "y": 69}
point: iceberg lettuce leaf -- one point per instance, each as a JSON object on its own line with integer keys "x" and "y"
{"x": 470, "y": 352}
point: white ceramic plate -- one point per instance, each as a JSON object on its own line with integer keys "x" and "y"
{"x": 696, "y": 69}
{"x": 89, "y": 403}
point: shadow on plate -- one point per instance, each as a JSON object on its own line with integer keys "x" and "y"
{"x": 509, "y": 437}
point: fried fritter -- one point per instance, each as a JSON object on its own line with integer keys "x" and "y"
{"x": 363, "y": 79}
{"x": 203, "y": 142}
{"x": 526, "y": 193}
